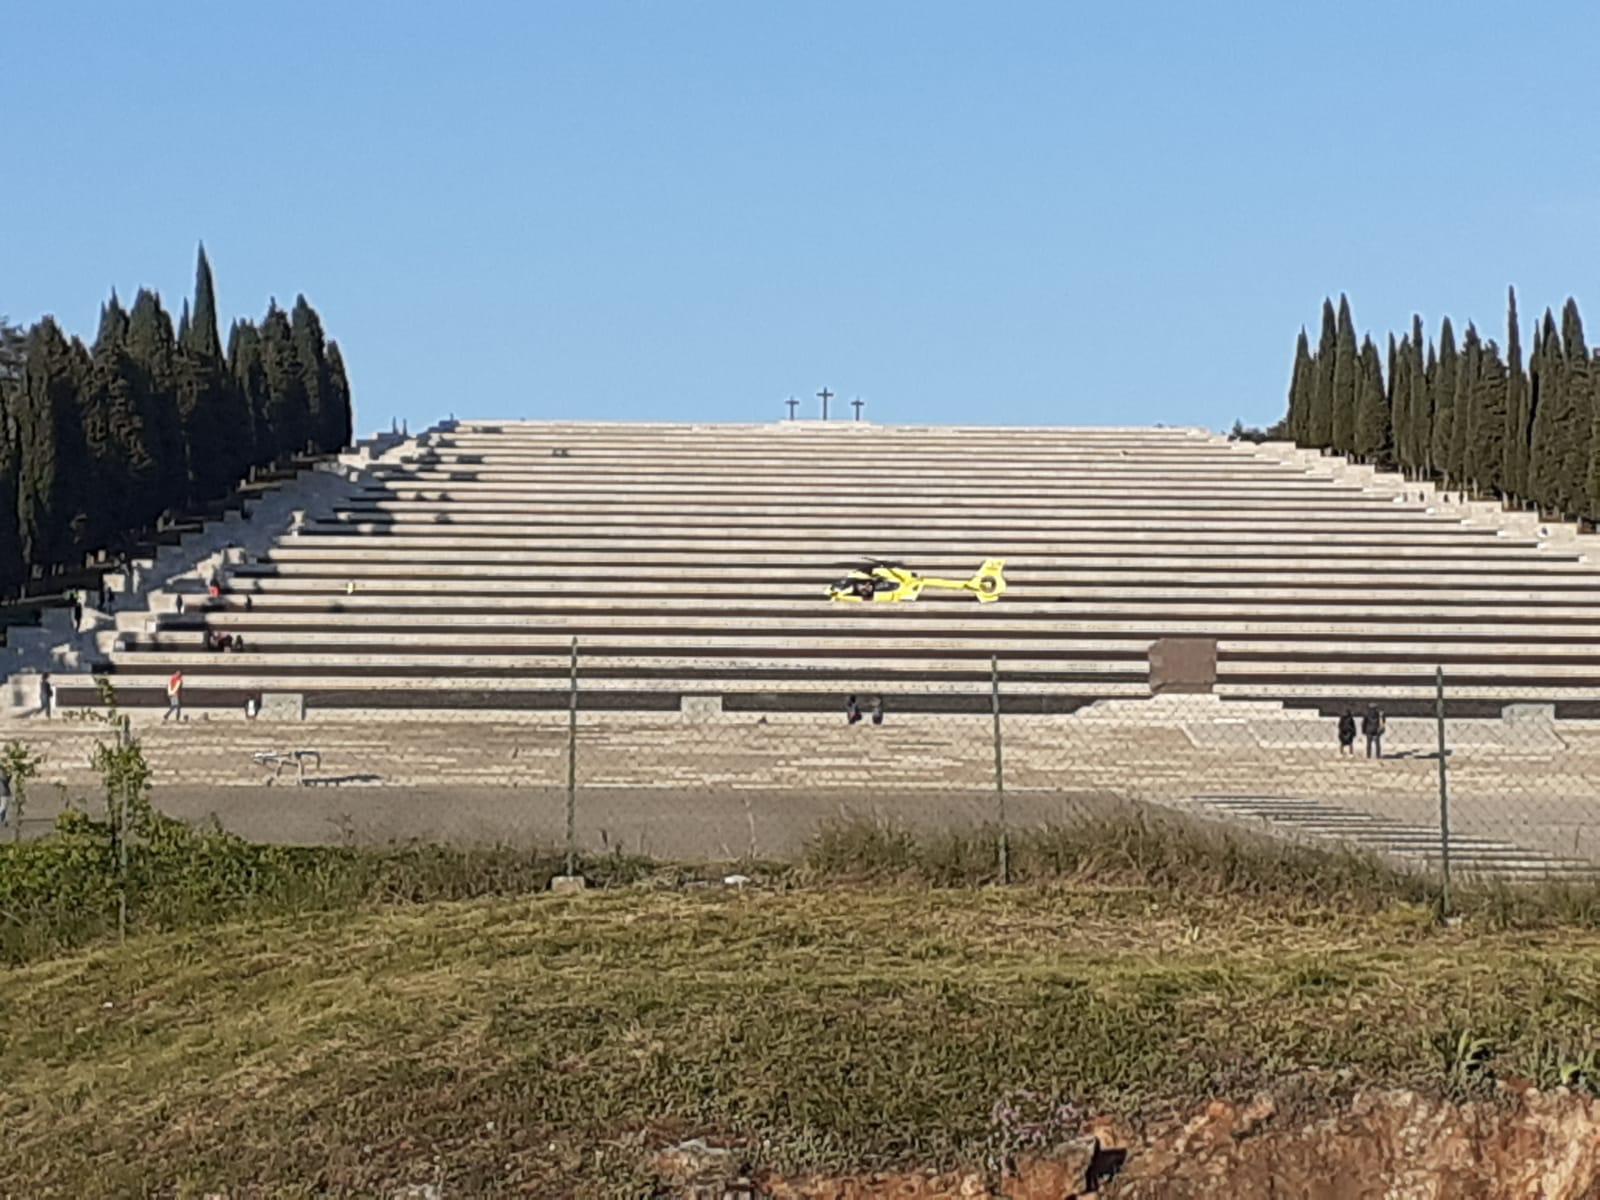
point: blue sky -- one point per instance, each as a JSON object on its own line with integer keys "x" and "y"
{"x": 1011, "y": 213}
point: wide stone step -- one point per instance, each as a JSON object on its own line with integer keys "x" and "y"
{"x": 1326, "y": 821}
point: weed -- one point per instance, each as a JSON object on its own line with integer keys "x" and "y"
{"x": 1466, "y": 1061}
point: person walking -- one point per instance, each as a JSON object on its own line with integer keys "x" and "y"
{"x": 174, "y": 697}
{"x": 1347, "y": 732}
{"x": 47, "y": 696}
{"x": 1372, "y": 727}
{"x": 5, "y": 798}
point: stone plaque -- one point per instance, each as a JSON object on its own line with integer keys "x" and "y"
{"x": 283, "y": 706}
{"x": 1183, "y": 665}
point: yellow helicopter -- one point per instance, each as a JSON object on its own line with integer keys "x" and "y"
{"x": 878, "y": 582}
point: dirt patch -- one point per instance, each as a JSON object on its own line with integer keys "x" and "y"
{"x": 1512, "y": 1146}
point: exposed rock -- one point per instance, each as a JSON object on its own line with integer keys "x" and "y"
{"x": 1394, "y": 1144}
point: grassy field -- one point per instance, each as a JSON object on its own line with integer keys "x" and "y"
{"x": 544, "y": 1045}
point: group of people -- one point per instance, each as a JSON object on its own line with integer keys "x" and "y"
{"x": 1373, "y": 726}
{"x": 853, "y": 714}
{"x": 216, "y": 640}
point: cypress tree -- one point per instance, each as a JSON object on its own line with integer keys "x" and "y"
{"x": 1514, "y": 468}
{"x": 1421, "y": 408}
{"x": 1346, "y": 369}
{"x": 1371, "y": 440}
{"x": 1319, "y": 425}
{"x": 342, "y": 407}
{"x": 1535, "y": 368}
{"x": 108, "y": 471}
{"x": 1484, "y": 462}
{"x": 13, "y": 568}
{"x": 153, "y": 349}
{"x": 127, "y": 475}
{"x": 1298, "y": 399}
{"x": 1397, "y": 399}
{"x": 1467, "y": 366}
{"x": 1577, "y": 387}
{"x": 311, "y": 355}
{"x": 288, "y": 414}
{"x": 1444, "y": 402}
{"x": 214, "y": 416}
{"x": 250, "y": 381}
{"x": 1551, "y": 419}
{"x": 1401, "y": 389}
{"x": 54, "y": 463}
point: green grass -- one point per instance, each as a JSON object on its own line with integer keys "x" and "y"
{"x": 543, "y": 1045}
{"x": 337, "y": 1021}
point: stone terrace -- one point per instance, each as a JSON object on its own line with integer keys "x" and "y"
{"x": 692, "y": 561}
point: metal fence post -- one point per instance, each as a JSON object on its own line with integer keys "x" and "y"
{"x": 999, "y": 770}
{"x": 572, "y": 766}
{"x": 1444, "y": 793}
{"x": 124, "y": 737}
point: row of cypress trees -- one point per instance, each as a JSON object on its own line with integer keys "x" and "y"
{"x": 1467, "y": 414}
{"x": 98, "y": 443}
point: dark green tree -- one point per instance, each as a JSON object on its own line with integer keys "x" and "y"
{"x": 1444, "y": 402}
{"x": 1419, "y": 408}
{"x": 311, "y": 354}
{"x": 1346, "y": 371}
{"x": 1535, "y": 369}
{"x": 13, "y": 570}
{"x": 288, "y": 412}
{"x": 1319, "y": 425}
{"x": 249, "y": 378}
{"x": 1578, "y": 391}
{"x": 1397, "y": 399}
{"x": 54, "y": 475}
{"x": 1483, "y": 462}
{"x": 1467, "y": 366}
{"x": 342, "y": 405}
{"x": 1299, "y": 400}
{"x": 1401, "y": 390}
{"x": 127, "y": 475}
{"x": 153, "y": 348}
{"x": 213, "y": 414}
{"x": 1514, "y": 466}
{"x": 1553, "y": 419}
{"x": 1372, "y": 439}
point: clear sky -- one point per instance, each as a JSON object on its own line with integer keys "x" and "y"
{"x": 1015, "y": 212}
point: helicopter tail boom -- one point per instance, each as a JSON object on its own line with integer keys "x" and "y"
{"x": 988, "y": 584}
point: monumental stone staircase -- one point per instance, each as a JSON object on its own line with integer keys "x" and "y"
{"x": 455, "y": 570}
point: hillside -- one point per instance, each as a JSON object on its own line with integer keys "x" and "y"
{"x": 553, "y": 1046}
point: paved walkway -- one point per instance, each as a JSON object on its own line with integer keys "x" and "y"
{"x": 1530, "y": 790}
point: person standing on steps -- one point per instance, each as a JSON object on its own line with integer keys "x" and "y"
{"x": 1372, "y": 726}
{"x": 852, "y": 711}
{"x": 174, "y": 697}
{"x": 877, "y": 710}
{"x": 1347, "y": 732}
{"x": 47, "y": 696}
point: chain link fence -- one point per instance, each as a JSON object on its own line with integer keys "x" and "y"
{"x": 1456, "y": 780}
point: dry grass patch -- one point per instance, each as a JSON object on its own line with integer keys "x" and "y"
{"x": 542, "y": 1045}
